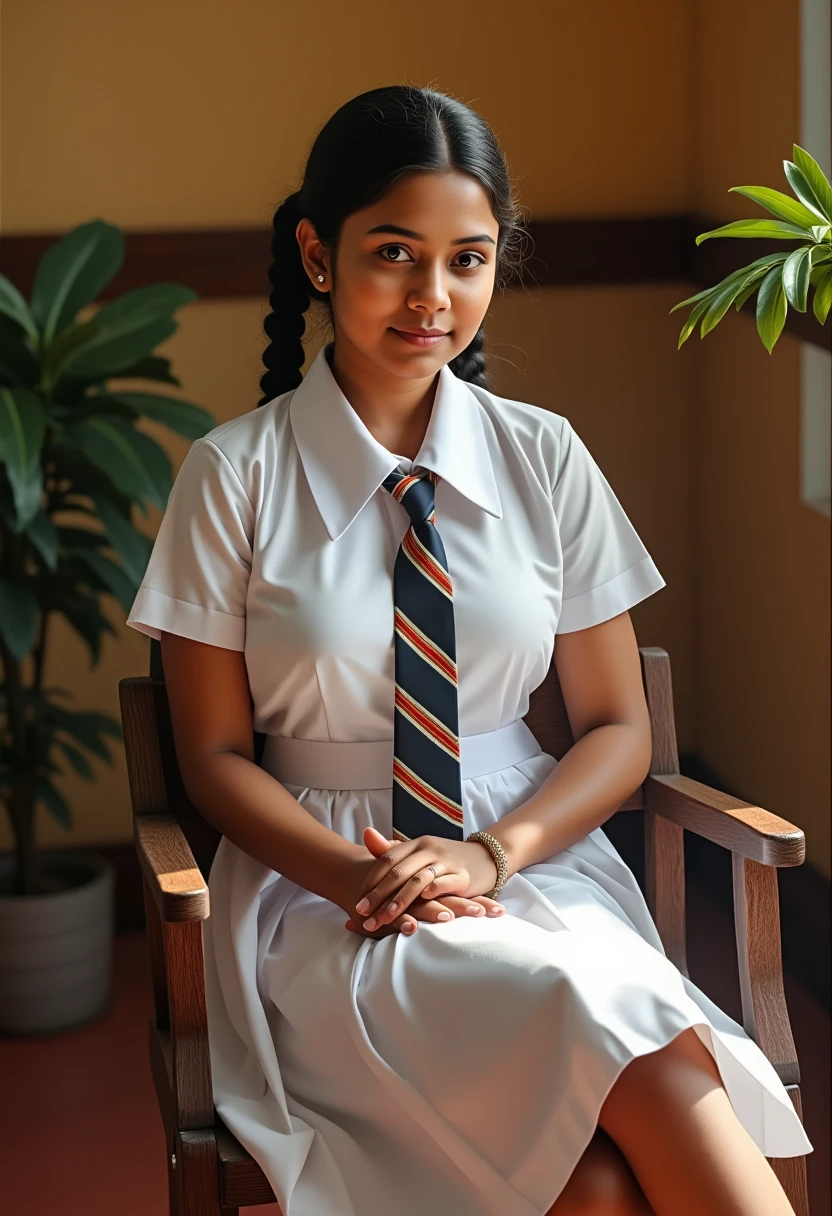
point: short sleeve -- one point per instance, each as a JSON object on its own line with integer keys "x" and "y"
{"x": 197, "y": 576}
{"x": 606, "y": 568}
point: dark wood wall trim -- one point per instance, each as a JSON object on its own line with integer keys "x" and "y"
{"x": 229, "y": 263}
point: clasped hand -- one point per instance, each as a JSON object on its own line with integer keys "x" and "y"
{"x": 400, "y": 879}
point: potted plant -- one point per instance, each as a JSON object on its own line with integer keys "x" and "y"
{"x": 782, "y": 278}
{"x": 72, "y": 465}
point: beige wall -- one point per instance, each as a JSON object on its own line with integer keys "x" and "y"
{"x": 199, "y": 114}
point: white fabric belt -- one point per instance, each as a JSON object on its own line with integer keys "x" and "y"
{"x": 322, "y": 765}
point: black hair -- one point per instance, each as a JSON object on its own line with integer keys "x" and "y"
{"x": 362, "y": 151}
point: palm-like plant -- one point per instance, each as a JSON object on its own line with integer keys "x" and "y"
{"x": 69, "y": 444}
{"x": 782, "y": 278}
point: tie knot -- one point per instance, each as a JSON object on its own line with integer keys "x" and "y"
{"x": 416, "y": 494}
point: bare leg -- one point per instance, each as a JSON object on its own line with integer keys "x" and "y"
{"x": 601, "y": 1184}
{"x": 669, "y": 1114}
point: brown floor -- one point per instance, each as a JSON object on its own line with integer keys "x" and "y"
{"x": 81, "y": 1135}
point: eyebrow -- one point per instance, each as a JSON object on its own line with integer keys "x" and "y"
{"x": 395, "y": 230}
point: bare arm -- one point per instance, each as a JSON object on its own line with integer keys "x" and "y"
{"x": 210, "y": 705}
{"x": 599, "y": 670}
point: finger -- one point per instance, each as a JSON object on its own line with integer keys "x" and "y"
{"x": 394, "y": 904}
{"x": 477, "y": 905}
{"x": 452, "y": 883}
{"x": 404, "y": 923}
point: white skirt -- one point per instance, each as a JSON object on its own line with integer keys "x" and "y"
{"x": 462, "y": 1068}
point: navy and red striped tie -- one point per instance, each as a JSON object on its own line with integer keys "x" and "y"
{"x": 427, "y": 782}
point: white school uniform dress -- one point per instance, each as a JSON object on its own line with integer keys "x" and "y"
{"x": 462, "y": 1069}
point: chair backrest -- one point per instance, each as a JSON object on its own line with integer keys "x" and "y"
{"x": 156, "y": 784}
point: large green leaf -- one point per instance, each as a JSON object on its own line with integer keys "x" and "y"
{"x": 815, "y": 179}
{"x": 153, "y": 367}
{"x": 723, "y": 300}
{"x": 133, "y": 548}
{"x": 22, "y": 432}
{"x": 14, "y": 306}
{"x": 796, "y": 270}
{"x": 87, "y": 727}
{"x": 44, "y": 536}
{"x": 111, "y": 349}
{"x": 18, "y": 366}
{"x": 687, "y": 329}
{"x": 82, "y": 612}
{"x": 779, "y": 204}
{"x": 18, "y": 616}
{"x": 54, "y": 802}
{"x": 758, "y": 228}
{"x": 77, "y": 759}
{"x": 133, "y": 461}
{"x": 72, "y": 272}
{"x": 127, "y": 330}
{"x": 804, "y": 190}
{"x": 823, "y": 297}
{"x": 771, "y": 308}
{"x": 740, "y": 275}
{"x": 183, "y": 417}
{"x": 111, "y": 575}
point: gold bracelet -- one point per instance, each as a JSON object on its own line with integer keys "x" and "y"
{"x": 496, "y": 850}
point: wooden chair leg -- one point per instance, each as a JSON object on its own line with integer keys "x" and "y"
{"x": 197, "y": 1184}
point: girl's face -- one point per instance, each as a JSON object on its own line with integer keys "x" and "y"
{"x": 422, "y": 257}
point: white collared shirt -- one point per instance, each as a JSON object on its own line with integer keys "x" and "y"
{"x": 279, "y": 540}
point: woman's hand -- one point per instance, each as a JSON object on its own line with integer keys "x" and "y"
{"x": 422, "y": 908}
{"x": 426, "y": 867}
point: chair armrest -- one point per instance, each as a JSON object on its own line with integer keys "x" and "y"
{"x": 748, "y": 830}
{"x": 179, "y": 891}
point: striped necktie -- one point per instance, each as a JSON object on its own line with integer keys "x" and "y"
{"x": 427, "y": 783}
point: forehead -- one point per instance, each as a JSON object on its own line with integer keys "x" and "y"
{"x": 435, "y": 204}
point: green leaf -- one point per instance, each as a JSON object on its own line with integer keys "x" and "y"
{"x": 18, "y": 616}
{"x": 803, "y": 190}
{"x": 815, "y": 179}
{"x": 183, "y": 417}
{"x": 133, "y": 461}
{"x": 111, "y": 575}
{"x": 68, "y": 346}
{"x": 749, "y": 289}
{"x": 778, "y": 204}
{"x": 768, "y": 259}
{"x": 721, "y": 303}
{"x": 771, "y": 308}
{"x": 153, "y": 367}
{"x": 14, "y": 306}
{"x": 128, "y": 329}
{"x": 823, "y": 297}
{"x": 22, "y": 432}
{"x": 54, "y": 802}
{"x": 82, "y": 612}
{"x": 44, "y": 536}
{"x": 757, "y": 228}
{"x": 133, "y": 548}
{"x": 18, "y": 366}
{"x": 72, "y": 272}
{"x": 690, "y": 324}
{"x": 77, "y": 759}
{"x": 86, "y": 726}
{"x": 796, "y": 270}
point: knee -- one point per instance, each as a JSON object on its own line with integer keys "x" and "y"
{"x": 602, "y": 1184}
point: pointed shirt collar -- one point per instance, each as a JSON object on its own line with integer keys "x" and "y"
{"x": 344, "y": 464}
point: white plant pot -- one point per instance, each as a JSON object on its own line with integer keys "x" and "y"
{"x": 56, "y": 949}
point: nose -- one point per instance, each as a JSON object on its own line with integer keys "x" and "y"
{"x": 430, "y": 290}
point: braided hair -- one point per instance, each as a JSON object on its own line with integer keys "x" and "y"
{"x": 362, "y": 151}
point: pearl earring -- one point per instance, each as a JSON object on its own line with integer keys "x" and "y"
{"x": 320, "y": 278}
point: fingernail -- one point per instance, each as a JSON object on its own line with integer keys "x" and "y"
{"x": 392, "y": 907}
{"x": 363, "y": 906}
{"x": 444, "y": 916}
{"x": 476, "y": 909}
{"x": 371, "y": 923}
{"x": 408, "y": 926}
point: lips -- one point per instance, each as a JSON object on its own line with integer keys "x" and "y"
{"x": 421, "y": 338}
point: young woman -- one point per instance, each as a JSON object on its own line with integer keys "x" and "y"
{"x": 375, "y": 569}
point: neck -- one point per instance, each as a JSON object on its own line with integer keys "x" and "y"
{"x": 395, "y": 411}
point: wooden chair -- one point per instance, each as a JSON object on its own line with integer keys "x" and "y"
{"x": 209, "y": 1171}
